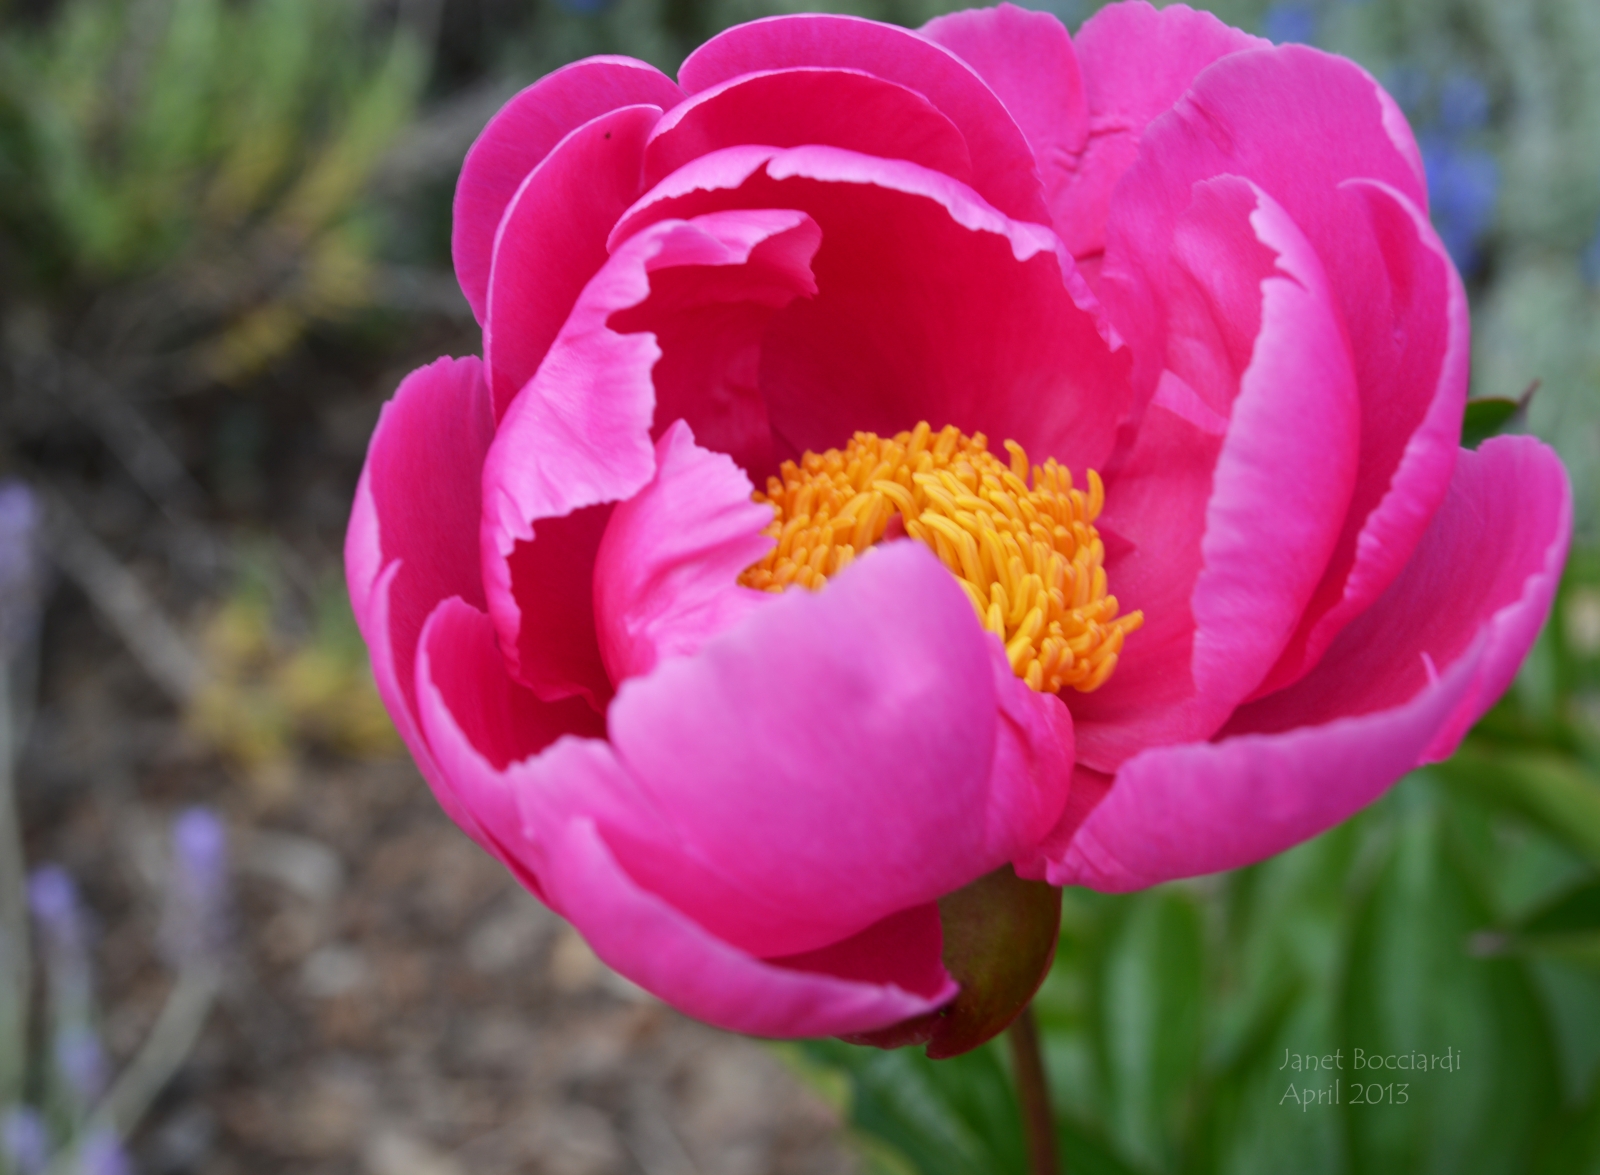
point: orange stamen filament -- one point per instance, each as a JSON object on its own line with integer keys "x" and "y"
{"x": 1025, "y": 550}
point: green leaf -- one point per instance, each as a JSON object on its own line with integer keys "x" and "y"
{"x": 1565, "y": 928}
{"x": 1151, "y": 996}
{"x": 954, "y": 1117}
{"x": 1552, "y": 791}
{"x": 1487, "y": 417}
{"x": 1574, "y": 911}
{"x": 1463, "y": 1042}
{"x": 1084, "y": 1151}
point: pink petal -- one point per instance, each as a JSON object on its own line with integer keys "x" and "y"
{"x": 902, "y": 949}
{"x": 1001, "y": 159}
{"x": 1398, "y": 687}
{"x": 409, "y": 541}
{"x": 550, "y": 584}
{"x": 1027, "y": 59}
{"x": 930, "y": 305}
{"x": 709, "y": 321}
{"x": 665, "y": 952}
{"x": 1031, "y": 775}
{"x": 578, "y": 437}
{"x": 1154, "y": 519}
{"x": 1136, "y": 63}
{"x": 461, "y": 676}
{"x": 1247, "y": 290}
{"x": 552, "y": 240}
{"x": 1326, "y": 122}
{"x": 559, "y": 851}
{"x": 1281, "y": 488}
{"x": 666, "y": 575}
{"x": 1410, "y": 335}
{"x": 1487, "y": 562}
{"x": 521, "y": 134}
{"x": 806, "y": 760}
{"x": 1089, "y": 787}
{"x": 793, "y": 107}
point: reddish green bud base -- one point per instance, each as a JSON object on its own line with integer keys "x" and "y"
{"x": 999, "y": 940}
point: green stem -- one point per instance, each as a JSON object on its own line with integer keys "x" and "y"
{"x": 1033, "y": 1095}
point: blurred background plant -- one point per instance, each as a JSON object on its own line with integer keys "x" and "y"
{"x": 60, "y": 1109}
{"x": 190, "y": 173}
{"x": 224, "y": 234}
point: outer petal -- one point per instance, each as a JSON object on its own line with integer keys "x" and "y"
{"x": 1410, "y": 335}
{"x": 1136, "y": 63}
{"x": 1032, "y": 771}
{"x": 665, "y": 952}
{"x": 1247, "y": 289}
{"x": 1398, "y": 688}
{"x": 666, "y": 574}
{"x": 930, "y": 305}
{"x": 903, "y": 949}
{"x": 1001, "y": 159}
{"x": 461, "y": 678}
{"x": 792, "y": 107}
{"x": 1027, "y": 59}
{"x": 578, "y": 437}
{"x": 1488, "y": 562}
{"x": 521, "y": 134}
{"x": 1400, "y": 300}
{"x": 409, "y": 543}
{"x": 552, "y": 240}
{"x": 785, "y": 820}
{"x": 1326, "y": 121}
{"x": 563, "y": 855}
{"x": 806, "y": 759}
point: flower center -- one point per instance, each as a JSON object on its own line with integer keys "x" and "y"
{"x": 1028, "y": 556}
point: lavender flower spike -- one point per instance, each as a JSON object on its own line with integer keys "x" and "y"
{"x": 19, "y": 565}
{"x": 25, "y": 1140}
{"x": 53, "y": 898}
{"x": 194, "y": 923}
{"x": 102, "y": 1154}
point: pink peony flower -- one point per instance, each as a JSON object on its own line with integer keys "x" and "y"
{"x": 1191, "y": 356}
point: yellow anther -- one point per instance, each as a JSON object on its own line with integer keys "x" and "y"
{"x": 1027, "y": 556}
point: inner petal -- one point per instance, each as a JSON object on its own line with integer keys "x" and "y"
{"x": 1025, "y": 550}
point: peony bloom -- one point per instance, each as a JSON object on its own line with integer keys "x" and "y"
{"x": 1096, "y": 401}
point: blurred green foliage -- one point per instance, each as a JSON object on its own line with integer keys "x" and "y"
{"x": 213, "y": 153}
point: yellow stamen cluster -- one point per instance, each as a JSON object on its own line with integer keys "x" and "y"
{"x": 1028, "y": 556}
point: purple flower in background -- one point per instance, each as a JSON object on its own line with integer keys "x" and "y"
{"x": 102, "y": 1154}
{"x": 79, "y": 1058}
{"x": 1463, "y": 185}
{"x": 19, "y": 565}
{"x": 1290, "y": 23}
{"x": 194, "y": 922}
{"x": 1463, "y": 178}
{"x": 25, "y": 1140}
{"x": 53, "y": 898}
